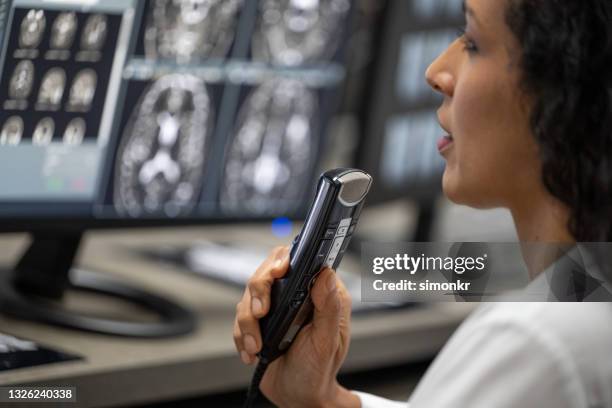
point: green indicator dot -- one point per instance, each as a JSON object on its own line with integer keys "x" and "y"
{"x": 55, "y": 184}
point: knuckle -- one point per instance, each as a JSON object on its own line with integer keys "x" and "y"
{"x": 258, "y": 285}
{"x": 244, "y": 319}
{"x": 254, "y": 285}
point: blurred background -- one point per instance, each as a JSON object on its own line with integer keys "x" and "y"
{"x": 170, "y": 144}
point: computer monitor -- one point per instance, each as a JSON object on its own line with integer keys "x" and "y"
{"x": 399, "y": 143}
{"x": 131, "y": 113}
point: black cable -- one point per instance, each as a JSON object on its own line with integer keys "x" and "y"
{"x": 253, "y": 391}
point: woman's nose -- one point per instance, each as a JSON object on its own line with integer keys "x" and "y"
{"x": 440, "y": 79}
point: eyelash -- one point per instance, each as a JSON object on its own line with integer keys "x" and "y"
{"x": 468, "y": 44}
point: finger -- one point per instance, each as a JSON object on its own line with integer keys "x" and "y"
{"x": 281, "y": 263}
{"x": 278, "y": 258}
{"x": 249, "y": 328}
{"x": 345, "y": 320}
{"x": 346, "y": 301}
{"x": 244, "y": 356}
{"x": 327, "y": 311}
{"x": 260, "y": 285}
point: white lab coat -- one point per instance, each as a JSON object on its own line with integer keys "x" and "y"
{"x": 520, "y": 355}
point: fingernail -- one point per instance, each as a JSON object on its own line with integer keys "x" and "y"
{"x": 256, "y": 306}
{"x": 244, "y": 356}
{"x": 331, "y": 283}
{"x": 277, "y": 263}
{"x": 249, "y": 344}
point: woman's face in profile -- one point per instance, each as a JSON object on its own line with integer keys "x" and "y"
{"x": 492, "y": 159}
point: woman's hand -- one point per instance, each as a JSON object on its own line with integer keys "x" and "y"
{"x": 306, "y": 375}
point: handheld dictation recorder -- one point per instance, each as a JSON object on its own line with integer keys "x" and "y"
{"x": 326, "y": 233}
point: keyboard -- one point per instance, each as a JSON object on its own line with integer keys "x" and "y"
{"x": 19, "y": 353}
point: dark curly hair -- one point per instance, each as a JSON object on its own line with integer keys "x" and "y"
{"x": 566, "y": 66}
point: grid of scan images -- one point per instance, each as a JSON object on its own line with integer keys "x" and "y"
{"x": 225, "y": 106}
{"x": 55, "y": 76}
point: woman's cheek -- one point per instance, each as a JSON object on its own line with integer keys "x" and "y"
{"x": 474, "y": 172}
{"x": 465, "y": 178}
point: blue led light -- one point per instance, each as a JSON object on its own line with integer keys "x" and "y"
{"x": 282, "y": 227}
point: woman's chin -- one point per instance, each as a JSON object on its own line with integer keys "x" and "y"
{"x": 474, "y": 195}
{"x": 457, "y": 192}
{"x": 450, "y": 186}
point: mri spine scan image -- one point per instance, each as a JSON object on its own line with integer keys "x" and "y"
{"x": 160, "y": 162}
{"x": 295, "y": 32}
{"x": 190, "y": 30}
{"x": 271, "y": 155}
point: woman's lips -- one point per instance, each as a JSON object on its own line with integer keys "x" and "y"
{"x": 444, "y": 143}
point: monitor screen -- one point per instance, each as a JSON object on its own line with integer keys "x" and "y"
{"x": 120, "y": 112}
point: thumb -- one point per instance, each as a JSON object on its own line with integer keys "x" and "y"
{"x": 327, "y": 310}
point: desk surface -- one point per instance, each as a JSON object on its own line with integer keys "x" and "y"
{"x": 119, "y": 371}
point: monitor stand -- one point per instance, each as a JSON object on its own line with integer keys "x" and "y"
{"x": 34, "y": 288}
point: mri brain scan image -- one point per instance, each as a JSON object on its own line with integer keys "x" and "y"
{"x": 94, "y": 33}
{"x": 12, "y": 131}
{"x": 295, "y": 32}
{"x": 52, "y": 87}
{"x": 63, "y": 31}
{"x": 32, "y": 29}
{"x": 20, "y": 85}
{"x": 271, "y": 154}
{"x": 161, "y": 159}
{"x": 190, "y": 30}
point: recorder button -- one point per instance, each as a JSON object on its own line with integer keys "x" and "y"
{"x": 333, "y": 253}
{"x": 351, "y": 229}
{"x": 337, "y": 245}
{"x": 294, "y": 245}
{"x": 342, "y": 231}
{"x": 345, "y": 222}
{"x": 323, "y": 249}
{"x": 296, "y": 239}
{"x": 330, "y": 233}
{"x": 332, "y": 225}
{"x": 329, "y": 262}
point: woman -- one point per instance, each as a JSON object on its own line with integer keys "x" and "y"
{"x": 528, "y": 110}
